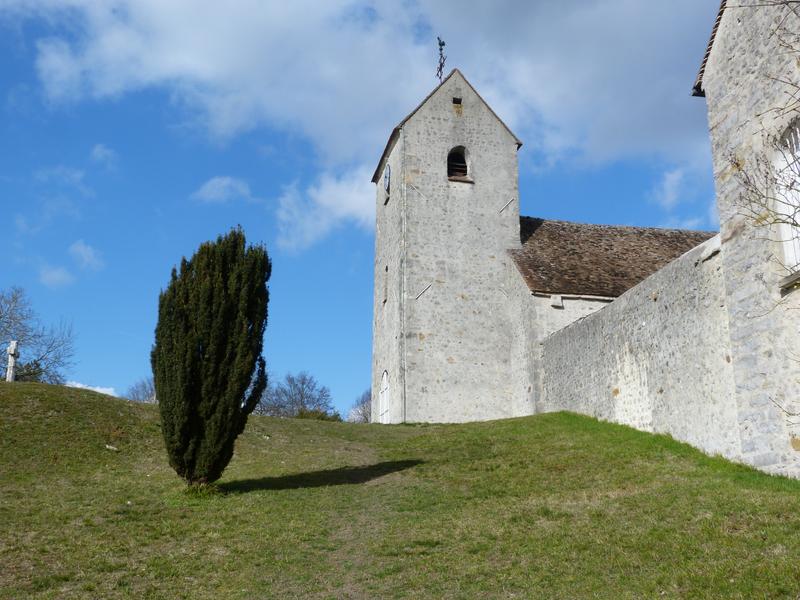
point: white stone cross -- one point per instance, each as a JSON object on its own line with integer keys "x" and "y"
{"x": 13, "y": 355}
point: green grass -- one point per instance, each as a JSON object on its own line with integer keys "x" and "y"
{"x": 551, "y": 506}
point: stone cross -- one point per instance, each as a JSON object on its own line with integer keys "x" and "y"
{"x": 13, "y": 355}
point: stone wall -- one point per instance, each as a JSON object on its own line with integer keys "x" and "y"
{"x": 706, "y": 350}
{"x": 553, "y": 314}
{"x": 657, "y": 358}
{"x": 459, "y": 326}
{"x": 388, "y": 294}
{"x": 540, "y": 319}
{"x": 523, "y": 344}
{"x": 743, "y": 85}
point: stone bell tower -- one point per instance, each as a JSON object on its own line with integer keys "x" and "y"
{"x": 447, "y": 212}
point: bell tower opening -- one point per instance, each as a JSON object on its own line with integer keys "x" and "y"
{"x": 457, "y": 168}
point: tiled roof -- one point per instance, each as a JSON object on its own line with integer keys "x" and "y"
{"x": 559, "y": 257}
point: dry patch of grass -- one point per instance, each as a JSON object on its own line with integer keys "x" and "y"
{"x": 547, "y": 506}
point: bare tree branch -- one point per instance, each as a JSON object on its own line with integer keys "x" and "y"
{"x": 143, "y": 390}
{"x": 361, "y": 410}
{"x": 46, "y": 352}
{"x": 296, "y": 395}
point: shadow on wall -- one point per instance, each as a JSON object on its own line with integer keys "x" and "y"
{"x": 527, "y": 227}
{"x": 341, "y": 476}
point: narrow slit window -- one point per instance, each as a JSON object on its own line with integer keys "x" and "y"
{"x": 457, "y": 163}
{"x": 387, "y": 183}
{"x": 386, "y": 284}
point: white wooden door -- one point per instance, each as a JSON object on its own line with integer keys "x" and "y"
{"x": 383, "y": 399}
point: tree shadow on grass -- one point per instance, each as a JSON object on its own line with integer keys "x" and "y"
{"x": 341, "y": 476}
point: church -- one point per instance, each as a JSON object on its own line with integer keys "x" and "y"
{"x": 480, "y": 313}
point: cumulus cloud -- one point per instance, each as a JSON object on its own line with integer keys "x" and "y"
{"x": 55, "y": 277}
{"x": 103, "y": 155}
{"x": 589, "y": 81}
{"x": 305, "y": 67}
{"x": 245, "y": 64}
{"x": 223, "y": 189}
{"x": 305, "y": 216}
{"x": 95, "y": 388}
{"x": 596, "y": 79}
{"x": 86, "y": 256}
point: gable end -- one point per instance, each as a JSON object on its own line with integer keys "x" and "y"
{"x": 396, "y": 131}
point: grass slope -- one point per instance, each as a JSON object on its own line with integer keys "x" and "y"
{"x": 549, "y": 506}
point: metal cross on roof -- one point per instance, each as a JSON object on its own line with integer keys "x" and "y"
{"x": 442, "y": 58}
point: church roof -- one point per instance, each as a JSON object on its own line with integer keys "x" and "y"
{"x": 697, "y": 88}
{"x": 559, "y": 257}
{"x": 396, "y": 131}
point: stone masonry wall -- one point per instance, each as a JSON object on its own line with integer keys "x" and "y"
{"x": 546, "y": 320}
{"x": 459, "y": 325}
{"x": 743, "y": 88}
{"x": 657, "y": 358}
{"x": 387, "y": 305}
{"x": 551, "y": 318}
{"x": 523, "y": 343}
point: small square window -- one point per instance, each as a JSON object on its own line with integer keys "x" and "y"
{"x": 456, "y": 100}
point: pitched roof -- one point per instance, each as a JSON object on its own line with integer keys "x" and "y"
{"x": 399, "y": 127}
{"x": 559, "y": 257}
{"x": 697, "y": 88}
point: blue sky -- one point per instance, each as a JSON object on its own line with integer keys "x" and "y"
{"x": 132, "y": 131}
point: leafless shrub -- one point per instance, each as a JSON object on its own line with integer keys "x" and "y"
{"x": 361, "y": 410}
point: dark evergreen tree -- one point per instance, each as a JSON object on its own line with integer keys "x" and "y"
{"x": 207, "y": 365}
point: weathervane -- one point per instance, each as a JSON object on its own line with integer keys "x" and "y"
{"x": 442, "y": 58}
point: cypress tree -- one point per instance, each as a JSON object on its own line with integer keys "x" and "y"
{"x": 207, "y": 365}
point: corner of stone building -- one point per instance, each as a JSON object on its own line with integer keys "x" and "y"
{"x": 742, "y": 96}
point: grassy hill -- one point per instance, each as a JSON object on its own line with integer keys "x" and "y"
{"x": 548, "y": 506}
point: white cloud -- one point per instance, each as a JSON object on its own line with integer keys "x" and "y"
{"x": 589, "y": 81}
{"x": 55, "y": 277}
{"x": 48, "y": 210}
{"x": 713, "y": 214}
{"x": 679, "y": 192}
{"x": 103, "y": 155}
{"x": 307, "y": 216}
{"x": 63, "y": 176}
{"x": 223, "y": 189}
{"x": 86, "y": 256}
{"x": 343, "y": 72}
{"x": 685, "y": 223}
{"x": 109, "y": 391}
{"x": 306, "y": 67}
{"x": 667, "y": 193}
{"x": 58, "y": 69}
